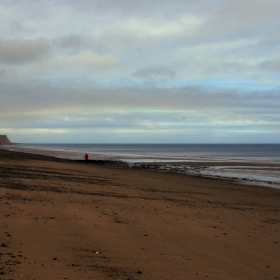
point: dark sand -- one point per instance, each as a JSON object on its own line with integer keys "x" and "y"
{"x": 68, "y": 220}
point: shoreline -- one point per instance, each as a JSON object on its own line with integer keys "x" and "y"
{"x": 238, "y": 172}
{"x": 257, "y": 172}
{"x": 65, "y": 219}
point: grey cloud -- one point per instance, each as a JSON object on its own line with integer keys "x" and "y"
{"x": 154, "y": 73}
{"x": 132, "y": 8}
{"x": 190, "y": 101}
{"x": 240, "y": 18}
{"x": 3, "y": 73}
{"x": 271, "y": 66}
{"x": 21, "y": 51}
{"x": 17, "y": 27}
{"x": 71, "y": 42}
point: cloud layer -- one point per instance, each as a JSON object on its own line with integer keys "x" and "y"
{"x": 140, "y": 71}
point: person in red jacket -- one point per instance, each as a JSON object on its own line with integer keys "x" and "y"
{"x": 86, "y": 158}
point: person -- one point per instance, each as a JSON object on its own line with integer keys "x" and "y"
{"x": 86, "y": 158}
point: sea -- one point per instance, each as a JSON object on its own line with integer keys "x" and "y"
{"x": 257, "y": 164}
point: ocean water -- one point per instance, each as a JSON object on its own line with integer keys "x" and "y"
{"x": 252, "y": 163}
{"x": 267, "y": 152}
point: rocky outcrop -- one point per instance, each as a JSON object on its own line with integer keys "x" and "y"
{"x": 4, "y": 139}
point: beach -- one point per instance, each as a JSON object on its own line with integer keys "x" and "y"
{"x": 255, "y": 164}
{"x": 63, "y": 219}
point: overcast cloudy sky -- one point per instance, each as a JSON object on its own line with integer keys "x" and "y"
{"x": 151, "y": 71}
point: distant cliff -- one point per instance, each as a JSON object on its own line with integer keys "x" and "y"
{"x": 4, "y": 139}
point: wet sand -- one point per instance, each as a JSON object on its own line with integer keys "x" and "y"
{"x": 257, "y": 173}
{"x": 262, "y": 171}
{"x": 67, "y": 220}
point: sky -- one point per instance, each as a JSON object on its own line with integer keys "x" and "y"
{"x": 131, "y": 71}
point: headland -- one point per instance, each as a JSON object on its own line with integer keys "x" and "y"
{"x": 4, "y": 139}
